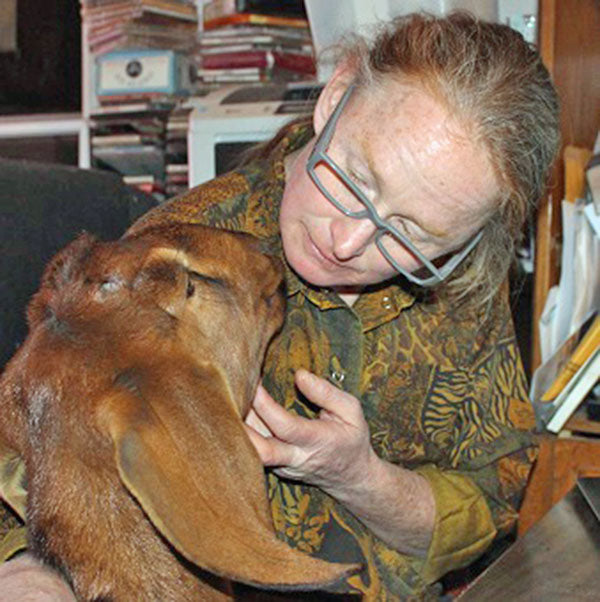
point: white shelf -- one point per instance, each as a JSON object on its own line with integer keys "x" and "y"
{"x": 48, "y": 125}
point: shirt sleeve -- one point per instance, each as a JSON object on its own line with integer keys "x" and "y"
{"x": 478, "y": 485}
{"x": 220, "y": 203}
{"x": 12, "y": 535}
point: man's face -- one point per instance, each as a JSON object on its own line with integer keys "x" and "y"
{"x": 418, "y": 166}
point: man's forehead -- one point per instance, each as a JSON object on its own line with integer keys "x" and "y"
{"x": 406, "y": 137}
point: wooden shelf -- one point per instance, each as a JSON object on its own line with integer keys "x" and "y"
{"x": 569, "y": 45}
{"x": 580, "y": 423}
{"x": 561, "y": 461}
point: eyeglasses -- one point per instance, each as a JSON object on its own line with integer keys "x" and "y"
{"x": 387, "y": 236}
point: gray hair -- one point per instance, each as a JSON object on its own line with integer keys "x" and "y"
{"x": 496, "y": 85}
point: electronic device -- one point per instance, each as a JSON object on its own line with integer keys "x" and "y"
{"x": 227, "y": 121}
{"x": 129, "y": 72}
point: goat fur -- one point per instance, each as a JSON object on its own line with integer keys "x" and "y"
{"x": 126, "y": 403}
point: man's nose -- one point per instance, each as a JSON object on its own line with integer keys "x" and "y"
{"x": 351, "y": 236}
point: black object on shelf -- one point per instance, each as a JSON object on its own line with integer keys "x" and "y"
{"x": 281, "y": 8}
{"x": 592, "y": 405}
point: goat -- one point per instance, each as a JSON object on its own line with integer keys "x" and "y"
{"x": 126, "y": 403}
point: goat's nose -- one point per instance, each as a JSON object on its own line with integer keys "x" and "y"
{"x": 351, "y": 237}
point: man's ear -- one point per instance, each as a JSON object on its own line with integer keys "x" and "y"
{"x": 342, "y": 77}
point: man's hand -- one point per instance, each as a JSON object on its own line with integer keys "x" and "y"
{"x": 333, "y": 452}
{"x": 26, "y": 579}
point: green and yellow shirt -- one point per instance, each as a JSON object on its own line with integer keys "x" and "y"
{"x": 443, "y": 394}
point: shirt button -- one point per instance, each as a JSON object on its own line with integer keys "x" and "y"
{"x": 337, "y": 377}
{"x": 387, "y": 303}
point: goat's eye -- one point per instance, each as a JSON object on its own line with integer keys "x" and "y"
{"x": 190, "y": 290}
{"x": 206, "y": 279}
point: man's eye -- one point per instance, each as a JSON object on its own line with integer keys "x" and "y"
{"x": 402, "y": 225}
{"x": 410, "y": 230}
{"x": 360, "y": 182}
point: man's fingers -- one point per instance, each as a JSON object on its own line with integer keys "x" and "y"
{"x": 337, "y": 403}
{"x": 253, "y": 420}
{"x": 271, "y": 451}
{"x": 281, "y": 423}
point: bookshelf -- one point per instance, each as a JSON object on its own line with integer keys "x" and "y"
{"x": 570, "y": 46}
{"x": 46, "y": 126}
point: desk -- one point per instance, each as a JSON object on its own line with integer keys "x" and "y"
{"x": 557, "y": 560}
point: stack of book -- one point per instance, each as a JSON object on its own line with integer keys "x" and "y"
{"x": 176, "y": 152}
{"x": 116, "y": 24}
{"x": 254, "y": 41}
{"x": 563, "y": 382}
{"x": 132, "y": 143}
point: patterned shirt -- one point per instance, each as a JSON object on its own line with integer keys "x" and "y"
{"x": 443, "y": 392}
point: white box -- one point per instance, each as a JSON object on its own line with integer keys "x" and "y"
{"x": 143, "y": 71}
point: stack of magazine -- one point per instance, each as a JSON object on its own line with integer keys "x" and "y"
{"x": 117, "y": 24}
{"x": 132, "y": 143}
{"x": 129, "y": 130}
{"x": 176, "y": 152}
{"x": 563, "y": 382}
{"x": 254, "y": 41}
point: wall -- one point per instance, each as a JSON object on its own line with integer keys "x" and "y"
{"x": 44, "y": 74}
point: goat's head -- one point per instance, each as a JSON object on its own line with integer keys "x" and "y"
{"x": 127, "y": 401}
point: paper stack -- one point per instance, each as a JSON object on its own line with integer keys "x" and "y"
{"x": 176, "y": 152}
{"x": 252, "y": 41}
{"x": 132, "y": 143}
{"x": 115, "y": 24}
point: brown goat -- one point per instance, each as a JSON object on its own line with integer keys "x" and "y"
{"x": 126, "y": 403}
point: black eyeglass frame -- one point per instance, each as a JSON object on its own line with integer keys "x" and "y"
{"x": 319, "y": 155}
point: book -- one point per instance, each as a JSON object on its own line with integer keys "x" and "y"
{"x": 293, "y": 61}
{"x": 250, "y": 32}
{"x": 287, "y": 8}
{"x": 586, "y": 346}
{"x": 124, "y": 140}
{"x": 263, "y": 59}
{"x": 255, "y": 19}
{"x": 170, "y": 8}
{"x": 147, "y": 179}
{"x": 246, "y": 44}
{"x": 224, "y": 78}
{"x": 131, "y": 160}
{"x": 546, "y": 373}
{"x": 574, "y": 392}
{"x": 133, "y": 106}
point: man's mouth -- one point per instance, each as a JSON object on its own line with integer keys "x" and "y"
{"x": 318, "y": 254}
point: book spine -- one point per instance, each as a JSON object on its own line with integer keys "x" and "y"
{"x": 182, "y": 9}
{"x": 301, "y": 63}
{"x": 588, "y": 344}
{"x": 574, "y": 392}
{"x": 219, "y": 8}
{"x": 228, "y": 60}
{"x": 254, "y": 19}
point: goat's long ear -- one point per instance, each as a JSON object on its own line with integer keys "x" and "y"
{"x": 182, "y": 451}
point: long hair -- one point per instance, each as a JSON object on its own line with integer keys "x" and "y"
{"x": 495, "y": 84}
